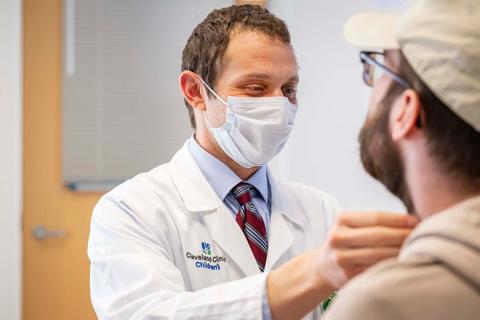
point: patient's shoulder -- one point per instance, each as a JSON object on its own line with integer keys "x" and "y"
{"x": 415, "y": 289}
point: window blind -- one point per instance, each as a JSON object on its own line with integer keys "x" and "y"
{"x": 122, "y": 110}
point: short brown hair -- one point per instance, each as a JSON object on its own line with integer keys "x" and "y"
{"x": 209, "y": 40}
{"x": 452, "y": 142}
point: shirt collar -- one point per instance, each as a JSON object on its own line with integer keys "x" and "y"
{"x": 221, "y": 178}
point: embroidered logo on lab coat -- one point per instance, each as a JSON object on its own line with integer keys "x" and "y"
{"x": 206, "y": 260}
{"x": 206, "y": 248}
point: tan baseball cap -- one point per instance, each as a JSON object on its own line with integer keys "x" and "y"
{"x": 441, "y": 41}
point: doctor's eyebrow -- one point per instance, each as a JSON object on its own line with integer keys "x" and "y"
{"x": 265, "y": 76}
{"x": 294, "y": 79}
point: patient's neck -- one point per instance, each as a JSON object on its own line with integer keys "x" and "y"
{"x": 433, "y": 191}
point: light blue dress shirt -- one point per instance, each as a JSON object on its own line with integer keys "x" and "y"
{"x": 222, "y": 179}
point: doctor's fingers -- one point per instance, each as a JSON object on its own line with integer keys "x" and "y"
{"x": 368, "y": 237}
{"x": 352, "y": 271}
{"x": 376, "y": 218}
{"x": 364, "y": 257}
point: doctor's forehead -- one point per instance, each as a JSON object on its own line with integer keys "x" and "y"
{"x": 252, "y": 54}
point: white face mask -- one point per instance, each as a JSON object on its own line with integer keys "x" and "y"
{"x": 255, "y": 129}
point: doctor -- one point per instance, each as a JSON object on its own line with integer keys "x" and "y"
{"x": 212, "y": 235}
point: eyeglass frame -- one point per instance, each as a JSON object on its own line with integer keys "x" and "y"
{"x": 366, "y": 58}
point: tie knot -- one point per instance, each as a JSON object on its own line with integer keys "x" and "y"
{"x": 242, "y": 192}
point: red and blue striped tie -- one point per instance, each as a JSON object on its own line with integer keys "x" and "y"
{"x": 251, "y": 222}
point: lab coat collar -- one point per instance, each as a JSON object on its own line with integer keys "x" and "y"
{"x": 192, "y": 186}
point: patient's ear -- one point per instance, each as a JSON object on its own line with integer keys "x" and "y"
{"x": 406, "y": 115}
{"x": 191, "y": 88}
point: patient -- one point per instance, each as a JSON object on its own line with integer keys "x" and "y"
{"x": 421, "y": 139}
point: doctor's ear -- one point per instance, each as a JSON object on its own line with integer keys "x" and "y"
{"x": 191, "y": 88}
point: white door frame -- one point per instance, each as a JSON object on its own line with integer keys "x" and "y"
{"x": 11, "y": 146}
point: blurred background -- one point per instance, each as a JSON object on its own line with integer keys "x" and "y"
{"x": 89, "y": 98}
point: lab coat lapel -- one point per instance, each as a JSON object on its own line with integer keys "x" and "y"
{"x": 280, "y": 239}
{"x": 228, "y": 235}
{"x": 281, "y": 236}
{"x": 200, "y": 198}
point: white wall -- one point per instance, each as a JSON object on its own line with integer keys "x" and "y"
{"x": 10, "y": 159}
{"x": 323, "y": 149}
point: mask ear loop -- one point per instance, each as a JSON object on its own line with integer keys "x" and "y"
{"x": 212, "y": 91}
{"x": 216, "y": 95}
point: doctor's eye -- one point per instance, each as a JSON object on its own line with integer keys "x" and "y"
{"x": 290, "y": 93}
{"x": 255, "y": 89}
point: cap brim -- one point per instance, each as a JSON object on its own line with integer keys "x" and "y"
{"x": 372, "y": 30}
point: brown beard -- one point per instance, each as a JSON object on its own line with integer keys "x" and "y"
{"x": 380, "y": 156}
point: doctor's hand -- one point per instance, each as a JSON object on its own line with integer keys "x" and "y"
{"x": 356, "y": 241}
{"x": 359, "y": 240}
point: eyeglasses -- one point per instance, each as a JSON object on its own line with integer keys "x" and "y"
{"x": 369, "y": 60}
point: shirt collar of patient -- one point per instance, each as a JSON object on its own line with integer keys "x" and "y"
{"x": 221, "y": 178}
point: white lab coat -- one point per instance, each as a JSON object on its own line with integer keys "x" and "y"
{"x": 164, "y": 246}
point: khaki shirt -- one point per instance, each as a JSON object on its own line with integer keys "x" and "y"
{"x": 437, "y": 275}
